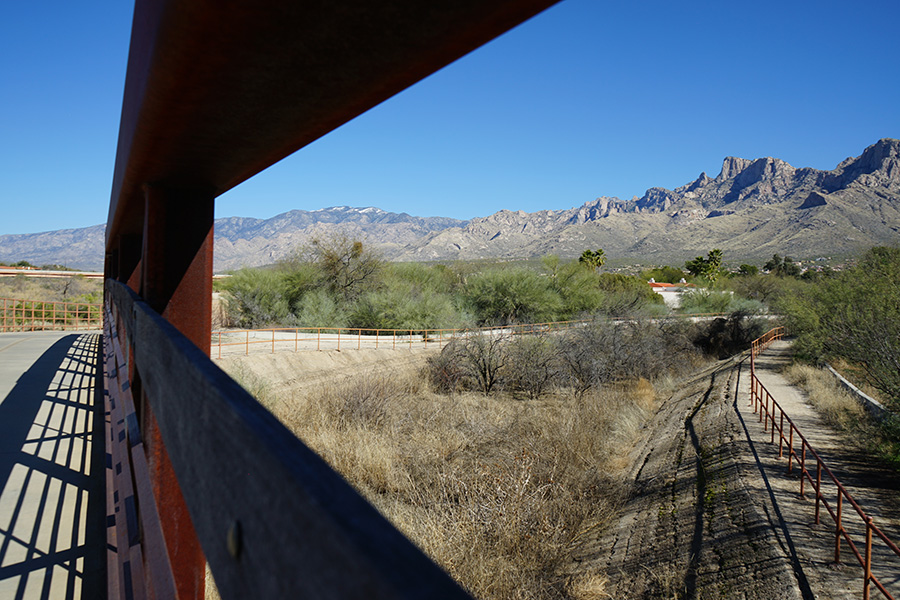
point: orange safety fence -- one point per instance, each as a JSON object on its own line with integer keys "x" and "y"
{"x": 338, "y": 338}
{"x": 35, "y": 315}
{"x": 294, "y": 339}
{"x": 774, "y": 418}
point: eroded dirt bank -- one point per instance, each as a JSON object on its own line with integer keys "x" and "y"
{"x": 691, "y": 527}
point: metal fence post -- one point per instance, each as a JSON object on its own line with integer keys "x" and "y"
{"x": 818, "y": 487}
{"x": 803, "y": 468}
{"x": 839, "y": 527}
{"x": 868, "y": 560}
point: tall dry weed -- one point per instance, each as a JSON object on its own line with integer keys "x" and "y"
{"x": 495, "y": 489}
{"x": 839, "y": 408}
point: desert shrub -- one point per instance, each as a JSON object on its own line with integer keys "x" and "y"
{"x": 704, "y": 301}
{"x": 725, "y": 336}
{"x": 346, "y": 267}
{"x": 257, "y": 298}
{"x": 584, "y": 363}
{"x": 665, "y": 274}
{"x": 578, "y": 288}
{"x": 626, "y": 295}
{"x": 854, "y": 315}
{"x": 444, "y": 371}
{"x": 514, "y": 295}
{"x": 532, "y": 364}
{"x": 480, "y": 360}
{"x": 319, "y": 308}
{"x": 401, "y": 305}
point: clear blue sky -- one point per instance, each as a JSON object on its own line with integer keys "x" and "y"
{"x": 588, "y": 99}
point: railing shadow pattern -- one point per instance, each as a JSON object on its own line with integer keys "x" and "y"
{"x": 50, "y": 502}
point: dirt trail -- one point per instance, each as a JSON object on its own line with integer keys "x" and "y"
{"x": 691, "y": 527}
{"x": 713, "y": 513}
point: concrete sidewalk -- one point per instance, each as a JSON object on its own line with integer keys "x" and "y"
{"x": 52, "y": 485}
{"x": 874, "y": 487}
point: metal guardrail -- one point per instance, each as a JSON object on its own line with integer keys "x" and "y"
{"x": 295, "y": 339}
{"x": 35, "y": 315}
{"x": 773, "y": 417}
{"x": 274, "y": 520}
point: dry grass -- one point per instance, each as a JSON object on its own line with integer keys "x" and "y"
{"x": 846, "y": 414}
{"x": 495, "y": 489}
{"x": 52, "y": 289}
{"x": 840, "y": 409}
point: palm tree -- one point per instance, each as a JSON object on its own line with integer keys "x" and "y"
{"x": 593, "y": 258}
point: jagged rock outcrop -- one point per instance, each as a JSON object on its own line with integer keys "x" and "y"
{"x": 752, "y": 209}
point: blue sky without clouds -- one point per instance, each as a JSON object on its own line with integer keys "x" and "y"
{"x": 590, "y": 98}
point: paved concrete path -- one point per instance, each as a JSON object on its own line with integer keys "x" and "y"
{"x": 875, "y": 488}
{"x": 52, "y": 488}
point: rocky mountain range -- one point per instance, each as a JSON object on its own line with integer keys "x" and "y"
{"x": 751, "y": 209}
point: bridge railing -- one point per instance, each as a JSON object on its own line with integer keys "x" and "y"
{"x": 37, "y": 315}
{"x": 274, "y": 520}
{"x": 829, "y": 492}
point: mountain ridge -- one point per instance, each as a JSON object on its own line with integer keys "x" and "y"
{"x": 752, "y": 209}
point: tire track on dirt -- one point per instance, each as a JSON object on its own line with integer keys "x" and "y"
{"x": 689, "y": 527}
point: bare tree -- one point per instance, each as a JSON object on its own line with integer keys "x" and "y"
{"x": 533, "y": 364}
{"x": 347, "y": 267}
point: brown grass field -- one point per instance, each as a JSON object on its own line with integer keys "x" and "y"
{"x": 496, "y": 489}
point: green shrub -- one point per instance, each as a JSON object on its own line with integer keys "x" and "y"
{"x": 515, "y": 295}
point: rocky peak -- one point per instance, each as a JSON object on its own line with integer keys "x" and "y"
{"x": 881, "y": 161}
{"x": 698, "y": 183}
{"x": 656, "y": 200}
{"x": 731, "y": 166}
{"x": 763, "y": 169}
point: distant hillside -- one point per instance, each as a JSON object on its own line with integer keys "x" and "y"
{"x": 239, "y": 241}
{"x": 252, "y": 242}
{"x": 75, "y": 248}
{"x": 751, "y": 209}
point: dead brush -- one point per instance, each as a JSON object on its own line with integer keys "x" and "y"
{"x": 839, "y": 408}
{"x": 495, "y": 489}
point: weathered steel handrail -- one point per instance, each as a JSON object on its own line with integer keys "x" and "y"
{"x": 773, "y": 417}
{"x": 274, "y": 520}
{"x": 37, "y": 315}
{"x": 312, "y": 338}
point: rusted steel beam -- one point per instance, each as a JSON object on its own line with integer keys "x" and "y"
{"x": 176, "y": 281}
{"x": 216, "y": 92}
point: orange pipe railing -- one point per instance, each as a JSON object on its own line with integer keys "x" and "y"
{"x": 774, "y": 417}
{"x": 35, "y": 315}
{"x": 303, "y": 338}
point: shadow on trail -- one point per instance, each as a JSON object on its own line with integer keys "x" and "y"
{"x": 791, "y": 550}
{"x": 52, "y": 498}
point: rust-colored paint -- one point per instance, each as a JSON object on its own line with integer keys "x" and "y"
{"x": 176, "y": 281}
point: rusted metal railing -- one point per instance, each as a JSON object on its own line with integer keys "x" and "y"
{"x": 35, "y": 315}
{"x": 775, "y": 418}
{"x": 295, "y": 339}
{"x": 342, "y": 338}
